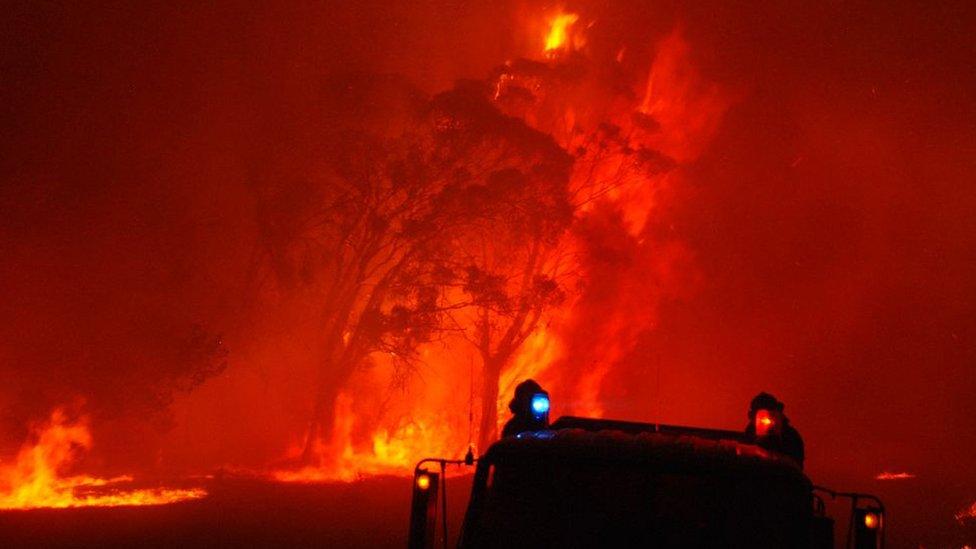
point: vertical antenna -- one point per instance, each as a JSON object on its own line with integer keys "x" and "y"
{"x": 657, "y": 390}
{"x": 470, "y": 399}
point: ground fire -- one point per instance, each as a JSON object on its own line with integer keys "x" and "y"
{"x": 269, "y": 258}
{"x": 37, "y": 478}
{"x": 894, "y": 476}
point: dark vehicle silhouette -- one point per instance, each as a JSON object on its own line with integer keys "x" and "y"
{"x": 598, "y": 483}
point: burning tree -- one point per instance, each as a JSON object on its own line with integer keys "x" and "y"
{"x": 407, "y": 218}
{"x": 370, "y": 227}
{"x": 508, "y": 255}
{"x": 513, "y": 278}
{"x": 591, "y": 110}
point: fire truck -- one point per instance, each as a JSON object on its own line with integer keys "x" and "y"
{"x": 585, "y": 482}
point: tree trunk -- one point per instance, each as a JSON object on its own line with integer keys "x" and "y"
{"x": 308, "y": 453}
{"x": 488, "y": 431}
{"x": 322, "y": 420}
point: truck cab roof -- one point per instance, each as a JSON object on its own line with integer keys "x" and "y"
{"x": 613, "y": 441}
{"x": 589, "y": 481}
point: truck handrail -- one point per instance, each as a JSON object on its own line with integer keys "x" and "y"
{"x": 634, "y": 427}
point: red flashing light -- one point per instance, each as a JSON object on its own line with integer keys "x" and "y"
{"x": 764, "y": 422}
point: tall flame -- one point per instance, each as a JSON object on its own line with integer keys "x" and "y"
{"x": 35, "y": 478}
{"x": 378, "y": 431}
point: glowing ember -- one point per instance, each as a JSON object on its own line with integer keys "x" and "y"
{"x": 967, "y": 514}
{"x": 35, "y": 479}
{"x": 894, "y": 476}
{"x": 558, "y": 37}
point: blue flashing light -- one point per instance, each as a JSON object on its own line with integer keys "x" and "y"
{"x": 540, "y": 404}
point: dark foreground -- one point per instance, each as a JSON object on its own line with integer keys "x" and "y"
{"x": 368, "y": 513}
{"x": 240, "y": 513}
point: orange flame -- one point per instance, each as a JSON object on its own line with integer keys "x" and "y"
{"x": 559, "y": 37}
{"x": 539, "y": 351}
{"x": 432, "y": 425}
{"x": 35, "y": 479}
{"x": 390, "y": 451}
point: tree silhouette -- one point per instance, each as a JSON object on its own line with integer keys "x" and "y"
{"x": 591, "y": 112}
{"x": 511, "y": 269}
{"x": 371, "y": 225}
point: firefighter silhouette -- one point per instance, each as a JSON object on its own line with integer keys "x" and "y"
{"x": 530, "y": 409}
{"x": 769, "y": 428}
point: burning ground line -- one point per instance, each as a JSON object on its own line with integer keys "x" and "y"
{"x": 35, "y": 480}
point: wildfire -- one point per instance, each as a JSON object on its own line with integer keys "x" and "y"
{"x": 626, "y": 145}
{"x": 559, "y": 37}
{"x": 35, "y": 478}
{"x": 894, "y": 476}
{"x": 390, "y": 452}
